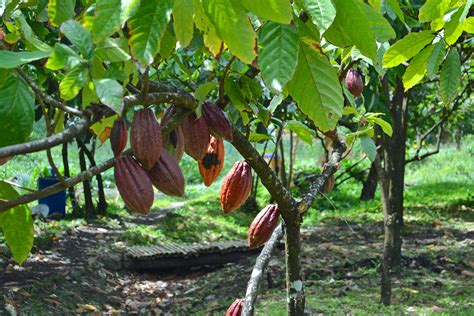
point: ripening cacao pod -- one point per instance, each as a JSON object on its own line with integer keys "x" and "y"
{"x": 119, "y": 136}
{"x": 219, "y": 124}
{"x": 354, "y": 82}
{"x": 166, "y": 175}
{"x": 211, "y": 165}
{"x": 196, "y": 136}
{"x": 236, "y": 186}
{"x": 263, "y": 226}
{"x": 133, "y": 184}
{"x": 235, "y": 309}
{"x": 174, "y": 141}
{"x": 145, "y": 138}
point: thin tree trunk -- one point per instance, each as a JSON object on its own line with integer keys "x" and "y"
{"x": 88, "y": 203}
{"x": 284, "y": 179}
{"x": 294, "y": 274}
{"x": 370, "y": 184}
{"x": 67, "y": 174}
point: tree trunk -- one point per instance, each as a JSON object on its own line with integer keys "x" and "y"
{"x": 370, "y": 184}
{"x": 88, "y": 203}
{"x": 294, "y": 275}
{"x": 67, "y": 174}
{"x": 392, "y": 175}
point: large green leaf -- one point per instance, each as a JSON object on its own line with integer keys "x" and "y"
{"x": 450, "y": 78}
{"x": 358, "y": 24}
{"x": 396, "y": 8}
{"x": 16, "y": 111}
{"x": 113, "y": 50}
{"x": 33, "y": 42}
{"x": 17, "y": 225}
{"x": 322, "y": 13}
{"x": 302, "y": 131}
{"x": 10, "y": 59}
{"x": 468, "y": 25}
{"x": 107, "y": 18}
{"x": 274, "y": 10}
{"x": 211, "y": 39}
{"x": 60, "y": 11}
{"x": 406, "y": 48}
{"x": 61, "y": 57}
{"x": 278, "y": 53}
{"x": 74, "y": 80}
{"x": 417, "y": 68}
{"x": 368, "y": 146}
{"x": 454, "y": 28}
{"x": 433, "y": 9}
{"x": 233, "y": 26}
{"x": 436, "y": 58}
{"x": 147, "y": 27}
{"x": 79, "y": 36}
{"x": 110, "y": 93}
{"x": 183, "y": 11}
{"x": 316, "y": 88}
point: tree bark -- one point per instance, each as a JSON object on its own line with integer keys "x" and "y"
{"x": 88, "y": 203}
{"x": 294, "y": 275}
{"x": 67, "y": 174}
{"x": 369, "y": 186}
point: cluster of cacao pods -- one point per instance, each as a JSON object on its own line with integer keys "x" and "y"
{"x": 235, "y": 309}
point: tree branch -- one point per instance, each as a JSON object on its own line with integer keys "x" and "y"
{"x": 177, "y": 98}
{"x": 417, "y": 157}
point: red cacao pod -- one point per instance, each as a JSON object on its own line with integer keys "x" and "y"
{"x": 174, "y": 141}
{"x": 119, "y": 136}
{"x": 211, "y": 165}
{"x": 133, "y": 184}
{"x": 236, "y": 186}
{"x": 219, "y": 124}
{"x": 263, "y": 226}
{"x": 196, "y": 136}
{"x": 354, "y": 82}
{"x": 166, "y": 175}
{"x": 145, "y": 138}
{"x": 235, "y": 309}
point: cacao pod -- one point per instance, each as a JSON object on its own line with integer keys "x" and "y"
{"x": 145, "y": 138}
{"x": 196, "y": 136}
{"x": 211, "y": 165}
{"x": 354, "y": 82}
{"x": 235, "y": 309}
{"x": 236, "y": 186}
{"x": 119, "y": 136}
{"x": 133, "y": 184}
{"x": 219, "y": 124}
{"x": 263, "y": 226}
{"x": 174, "y": 141}
{"x": 166, "y": 175}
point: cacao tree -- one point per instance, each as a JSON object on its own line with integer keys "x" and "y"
{"x": 211, "y": 71}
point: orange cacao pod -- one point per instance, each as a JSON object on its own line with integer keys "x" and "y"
{"x": 196, "y": 136}
{"x": 119, "y": 136}
{"x": 211, "y": 165}
{"x": 263, "y": 226}
{"x": 166, "y": 175}
{"x": 174, "y": 141}
{"x": 235, "y": 309}
{"x": 133, "y": 184}
{"x": 145, "y": 138}
{"x": 219, "y": 124}
{"x": 236, "y": 186}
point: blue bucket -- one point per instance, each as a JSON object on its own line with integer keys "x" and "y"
{"x": 55, "y": 202}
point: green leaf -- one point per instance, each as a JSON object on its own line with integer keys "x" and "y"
{"x": 396, "y": 8}
{"x": 74, "y": 80}
{"x": 432, "y": 10}
{"x": 79, "y": 36}
{"x": 60, "y": 11}
{"x": 61, "y": 57}
{"x": 322, "y": 13}
{"x": 168, "y": 44}
{"x": 16, "y": 111}
{"x": 468, "y": 25}
{"x": 234, "y": 93}
{"x": 113, "y": 50}
{"x": 203, "y": 90}
{"x": 436, "y": 58}
{"x": 316, "y": 88}
{"x": 305, "y": 133}
{"x": 278, "y": 54}
{"x": 17, "y": 225}
{"x": 11, "y": 60}
{"x": 233, "y": 26}
{"x": 368, "y": 146}
{"x": 274, "y": 10}
{"x": 256, "y": 137}
{"x": 110, "y": 93}
{"x": 147, "y": 27}
{"x": 29, "y": 36}
{"x": 453, "y": 29}
{"x": 211, "y": 39}
{"x": 406, "y": 48}
{"x": 417, "y": 68}
{"x": 183, "y": 11}
{"x": 450, "y": 77}
{"x": 107, "y": 18}
{"x": 386, "y": 127}
{"x": 358, "y": 24}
